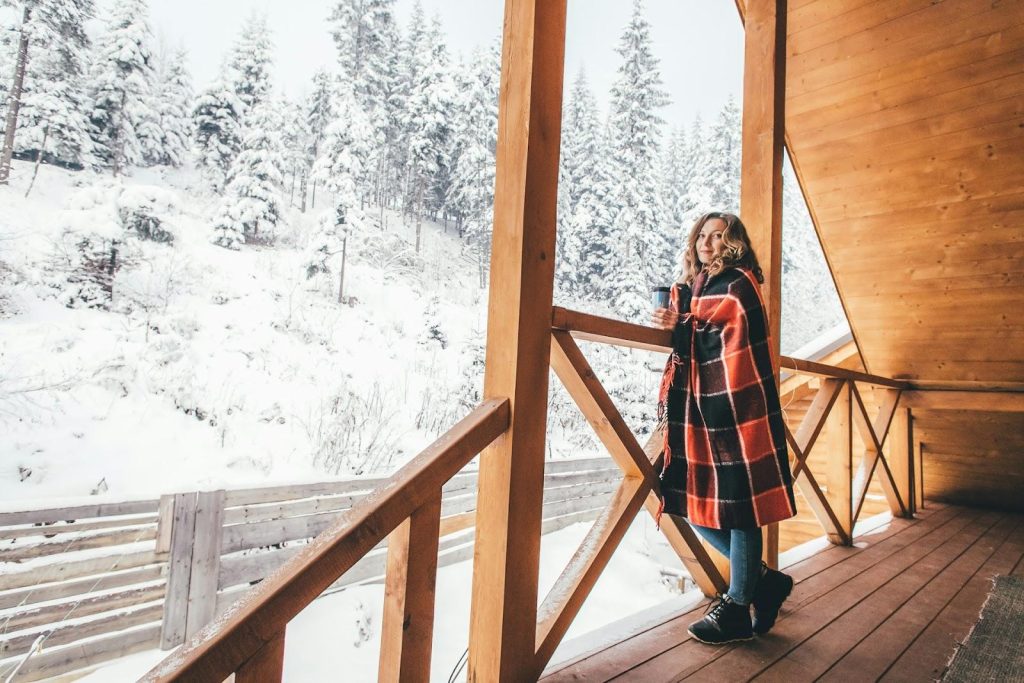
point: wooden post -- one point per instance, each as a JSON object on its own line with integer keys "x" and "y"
{"x": 840, "y": 459}
{"x": 202, "y": 588}
{"x": 172, "y": 631}
{"x": 266, "y": 666}
{"x": 918, "y": 475}
{"x": 164, "y": 524}
{"x": 901, "y": 452}
{"x": 503, "y": 618}
{"x": 408, "y": 625}
{"x": 764, "y": 99}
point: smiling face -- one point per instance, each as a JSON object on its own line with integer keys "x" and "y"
{"x": 709, "y": 240}
{"x": 716, "y": 241}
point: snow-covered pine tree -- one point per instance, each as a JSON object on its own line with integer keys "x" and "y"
{"x": 174, "y": 96}
{"x": 592, "y": 226}
{"x": 369, "y": 47}
{"x": 583, "y": 216}
{"x": 697, "y": 171}
{"x": 250, "y": 62}
{"x": 295, "y": 141}
{"x": 342, "y": 168}
{"x": 635, "y": 129}
{"x": 123, "y": 121}
{"x": 723, "y": 158}
{"x": 810, "y": 304}
{"x": 252, "y": 204}
{"x": 673, "y": 179}
{"x": 443, "y": 101}
{"x": 319, "y": 114}
{"x": 52, "y": 120}
{"x": 424, "y": 123}
{"x": 477, "y": 133}
{"x": 216, "y": 121}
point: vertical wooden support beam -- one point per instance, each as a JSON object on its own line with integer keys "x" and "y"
{"x": 900, "y": 458}
{"x": 764, "y": 100}
{"x": 840, "y": 459}
{"x": 164, "y": 524}
{"x": 202, "y": 588}
{"x": 409, "y": 587}
{"x": 266, "y": 666}
{"x": 918, "y": 475}
{"x": 503, "y": 618}
{"x": 179, "y": 571}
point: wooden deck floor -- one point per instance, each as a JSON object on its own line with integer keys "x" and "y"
{"x": 890, "y": 608}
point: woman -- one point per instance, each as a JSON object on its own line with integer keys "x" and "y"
{"x": 726, "y": 465}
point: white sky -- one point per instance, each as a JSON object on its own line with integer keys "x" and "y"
{"x": 699, "y": 42}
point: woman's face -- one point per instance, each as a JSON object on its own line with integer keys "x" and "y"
{"x": 709, "y": 240}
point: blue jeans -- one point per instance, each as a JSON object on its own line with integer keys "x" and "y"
{"x": 743, "y": 548}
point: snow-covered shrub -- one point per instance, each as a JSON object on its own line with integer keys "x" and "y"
{"x": 143, "y": 209}
{"x": 439, "y": 410}
{"x": 84, "y": 270}
{"x": 354, "y": 434}
{"x": 390, "y": 254}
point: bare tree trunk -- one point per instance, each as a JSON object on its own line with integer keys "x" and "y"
{"x": 341, "y": 276}
{"x": 39, "y": 159}
{"x": 313, "y": 202}
{"x": 291, "y": 194}
{"x": 302, "y": 189}
{"x": 14, "y": 99}
{"x": 119, "y": 137}
{"x": 418, "y": 208}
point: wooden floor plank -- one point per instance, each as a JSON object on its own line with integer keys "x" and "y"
{"x": 837, "y": 650}
{"x": 927, "y": 655}
{"x": 913, "y": 583}
{"x": 689, "y": 655}
{"x": 668, "y": 634}
{"x": 844, "y": 587}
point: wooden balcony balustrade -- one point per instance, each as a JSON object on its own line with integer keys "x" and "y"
{"x": 249, "y": 640}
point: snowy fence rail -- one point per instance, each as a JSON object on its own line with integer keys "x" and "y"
{"x": 102, "y": 581}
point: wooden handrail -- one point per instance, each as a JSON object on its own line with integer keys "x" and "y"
{"x": 808, "y": 367}
{"x": 226, "y": 644}
{"x": 590, "y": 327}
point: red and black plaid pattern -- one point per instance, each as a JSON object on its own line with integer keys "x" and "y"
{"x": 727, "y": 465}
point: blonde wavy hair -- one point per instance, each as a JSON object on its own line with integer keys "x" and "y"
{"x": 736, "y": 249}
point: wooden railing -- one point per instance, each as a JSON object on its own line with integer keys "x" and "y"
{"x": 89, "y": 583}
{"x": 249, "y": 640}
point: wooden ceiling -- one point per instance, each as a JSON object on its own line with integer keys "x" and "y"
{"x": 905, "y": 122}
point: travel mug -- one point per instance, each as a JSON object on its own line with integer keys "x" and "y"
{"x": 660, "y": 296}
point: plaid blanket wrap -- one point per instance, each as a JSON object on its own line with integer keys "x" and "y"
{"x": 726, "y": 461}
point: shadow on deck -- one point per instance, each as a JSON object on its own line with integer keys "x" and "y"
{"x": 891, "y": 608}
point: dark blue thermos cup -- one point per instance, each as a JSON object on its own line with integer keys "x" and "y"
{"x": 660, "y": 296}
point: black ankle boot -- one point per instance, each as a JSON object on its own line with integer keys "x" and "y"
{"x": 771, "y": 591}
{"x": 726, "y": 621}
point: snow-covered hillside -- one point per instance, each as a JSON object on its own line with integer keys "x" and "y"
{"x": 215, "y": 367}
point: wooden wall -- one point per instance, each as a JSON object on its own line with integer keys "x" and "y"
{"x": 905, "y": 121}
{"x": 973, "y": 457}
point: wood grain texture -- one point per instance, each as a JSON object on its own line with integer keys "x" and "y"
{"x": 221, "y": 649}
{"x": 407, "y": 629}
{"x": 908, "y": 113}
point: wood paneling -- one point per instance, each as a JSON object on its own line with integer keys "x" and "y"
{"x": 905, "y": 121}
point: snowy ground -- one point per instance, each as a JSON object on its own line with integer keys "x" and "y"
{"x": 228, "y": 368}
{"x": 215, "y": 367}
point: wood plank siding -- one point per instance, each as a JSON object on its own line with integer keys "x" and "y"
{"x": 905, "y": 120}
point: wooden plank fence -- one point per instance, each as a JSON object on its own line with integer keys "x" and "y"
{"x": 102, "y": 581}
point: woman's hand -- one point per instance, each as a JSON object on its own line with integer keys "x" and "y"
{"x": 664, "y": 318}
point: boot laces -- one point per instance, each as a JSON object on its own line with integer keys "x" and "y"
{"x": 716, "y": 607}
